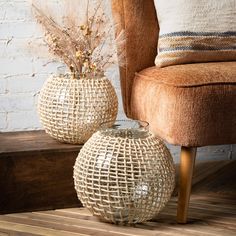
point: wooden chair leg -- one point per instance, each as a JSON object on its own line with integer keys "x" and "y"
{"x": 187, "y": 161}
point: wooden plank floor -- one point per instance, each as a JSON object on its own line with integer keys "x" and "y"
{"x": 212, "y": 212}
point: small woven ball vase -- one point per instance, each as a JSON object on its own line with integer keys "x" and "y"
{"x": 71, "y": 110}
{"x": 124, "y": 174}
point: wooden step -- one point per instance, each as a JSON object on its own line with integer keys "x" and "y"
{"x": 36, "y": 172}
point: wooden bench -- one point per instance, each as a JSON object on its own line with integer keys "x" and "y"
{"x": 36, "y": 172}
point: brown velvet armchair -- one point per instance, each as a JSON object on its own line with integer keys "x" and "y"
{"x": 190, "y": 105}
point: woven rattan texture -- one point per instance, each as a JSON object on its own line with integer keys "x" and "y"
{"x": 124, "y": 180}
{"x": 71, "y": 110}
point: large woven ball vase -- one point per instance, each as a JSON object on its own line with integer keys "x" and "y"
{"x": 124, "y": 174}
{"x": 71, "y": 110}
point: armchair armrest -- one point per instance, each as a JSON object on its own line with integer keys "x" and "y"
{"x": 138, "y": 19}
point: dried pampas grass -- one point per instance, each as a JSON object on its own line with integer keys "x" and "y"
{"x": 81, "y": 35}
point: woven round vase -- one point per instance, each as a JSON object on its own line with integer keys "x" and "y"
{"x": 124, "y": 174}
{"x": 71, "y": 110}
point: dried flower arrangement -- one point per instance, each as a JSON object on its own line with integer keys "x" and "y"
{"x": 86, "y": 44}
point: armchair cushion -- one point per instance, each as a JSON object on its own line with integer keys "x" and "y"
{"x": 188, "y": 105}
{"x": 196, "y": 31}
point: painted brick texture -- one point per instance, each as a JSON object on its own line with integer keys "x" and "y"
{"x": 23, "y": 68}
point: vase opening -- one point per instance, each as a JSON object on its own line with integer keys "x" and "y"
{"x": 63, "y": 72}
{"x": 135, "y": 129}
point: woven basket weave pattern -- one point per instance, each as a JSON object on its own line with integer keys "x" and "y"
{"x": 71, "y": 110}
{"x": 124, "y": 180}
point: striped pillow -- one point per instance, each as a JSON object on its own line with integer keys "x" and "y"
{"x": 196, "y": 31}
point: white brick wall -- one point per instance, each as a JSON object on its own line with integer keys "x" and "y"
{"x": 22, "y": 74}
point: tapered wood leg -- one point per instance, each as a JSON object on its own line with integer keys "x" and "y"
{"x": 187, "y": 161}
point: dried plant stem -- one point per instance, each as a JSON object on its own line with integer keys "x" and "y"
{"x": 87, "y": 46}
